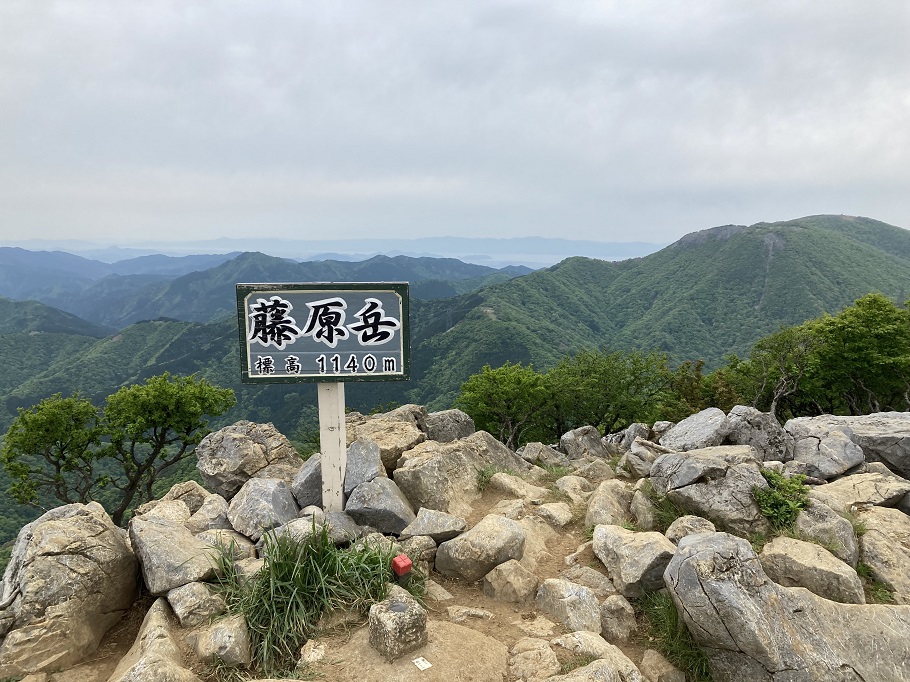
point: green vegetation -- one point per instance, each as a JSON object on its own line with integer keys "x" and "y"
{"x": 299, "y": 581}
{"x": 672, "y": 638}
{"x": 876, "y": 591}
{"x": 486, "y": 474}
{"x": 665, "y": 510}
{"x": 782, "y": 500}
{"x": 68, "y": 449}
{"x": 576, "y": 661}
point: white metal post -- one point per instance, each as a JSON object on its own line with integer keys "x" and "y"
{"x": 332, "y": 443}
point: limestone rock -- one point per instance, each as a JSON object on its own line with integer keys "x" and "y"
{"x": 591, "y": 578}
{"x": 70, "y": 566}
{"x": 762, "y": 431}
{"x": 641, "y": 456}
{"x": 169, "y": 554}
{"x": 516, "y": 487}
{"x": 885, "y": 548}
{"x": 656, "y": 668}
{"x": 829, "y": 455}
{"x": 611, "y": 664}
{"x": 380, "y": 504}
{"x": 229, "y": 541}
{"x": 173, "y": 510}
{"x": 306, "y": 485}
{"x": 533, "y": 659}
{"x": 617, "y": 619}
{"x": 701, "y": 430}
{"x": 582, "y": 442}
{"x": 510, "y": 581}
{"x": 753, "y": 629}
{"x": 448, "y": 425}
{"x": 819, "y": 523}
{"x": 298, "y": 529}
{"x": 459, "y": 614}
{"x": 609, "y": 504}
{"x": 794, "y": 563}
{"x": 634, "y": 561}
{"x": 602, "y": 670}
{"x": 155, "y": 655}
{"x": 342, "y": 528}
{"x": 475, "y": 553}
{"x": 228, "y": 458}
{"x": 642, "y": 510}
{"x": 861, "y": 490}
{"x": 393, "y": 438}
{"x": 543, "y": 455}
{"x": 443, "y": 476}
{"x": 225, "y": 642}
{"x": 211, "y": 515}
{"x": 572, "y": 605}
{"x": 595, "y": 471}
{"x": 363, "y": 464}
{"x": 438, "y": 525}
{"x": 261, "y": 504}
{"x": 688, "y": 525}
{"x": 195, "y": 604}
{"x": 558, "y": 514}
{"x": 576, "y": 488}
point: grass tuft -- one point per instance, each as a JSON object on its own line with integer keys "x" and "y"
{"x": 672, "y": 638}
{"x": 576, "y": 661}
{"x": 876, "y": 591}
{"x": 782, "y": 500}
{"x": 665, "y": 510}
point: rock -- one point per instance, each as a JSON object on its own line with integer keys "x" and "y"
{"x": 169, "y": 554}
{"x": 634, "y": 561}
{"x": 312, "y": 652}
{"x": 475, "y": 553}
{"x": 70, "y": 578}
{"x": 195, "y": 604}
{"x": 656, "y": 668}
{"x": 701, "y": 430}
{"x": 397, "y": 625}
{"x": 225, "y": 642}
{"x": 307, "y": 483}
{"x": 438, "y": 525}
{"x": 537, "y": 533}
{"x": 511, "y": 509}
{"x": 448, "y": 425}
{"x": 543, "y": 455}
{"x": 155, "y": 655}
{"x": 753, "y": 629}
{"x": 533, "y": 659}
{"x": 510, "y": 581}
{"x": 392, "y": 437}
{"x": 828, "y": 456}
{"x": 248, "y": 568}
{"x": 228, "y": 458}
{"x": 660, "y": 428}
{"x": 641, "y": 456}
{"x": 298, "y": 529}
{"x": 795, "y": 563}
{"x": 602, "y": 670}
{"x": 762, "y": 431}
{"x": 632, "y": 432}
{"x": 596, "y": 471}
{"x": 617, "y": 667}
{"x": 688, "y": 525}
{"x": 609, "y": 504}
{"x": 363, "y": 464}
{"x": 443, "y": 476}
{"x": 173, "y": 510}
{"x": 342, "y": 528}
{"x": 538, "y": 627}
{"x": 885, "y": 548}
{"x": 313, "y": 514}
{"x": 819, "y": 523}
{"x": 380, "y": 504}
{"x": 420, "y": 548}
{"x": 617, "y": 619}
{"x": 558, "y": 514}
{"x": 516, "y": 487}
{"x": 571, "y": 604}
{"x": 230, "y": 541}
{"x": 584, "y": 552}
{"x": 883, "y": 436}
{"x": 459, "y": 614}
{"x": 379, "y": 542}
{"x": 576, "y": 488}
{"x": 437, "y": 592}
{"x": 861, "y": 490}
{"x": 261, "y": 504}
{"x": 190, "y": 493}
{"x": 211, "y": 515}
{"x": 582, "y": 442}
{"x": 642, "y": 510}
{"x": 705, "y": 484}
{"x": 586, "y": 576}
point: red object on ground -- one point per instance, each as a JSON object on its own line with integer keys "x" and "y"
{"x": 401, "y": 565}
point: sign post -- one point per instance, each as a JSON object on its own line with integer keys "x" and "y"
{"x": 328, "y": 334}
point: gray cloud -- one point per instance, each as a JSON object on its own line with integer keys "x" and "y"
{"x": 598, "y": 120}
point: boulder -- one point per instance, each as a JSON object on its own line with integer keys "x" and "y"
{"x": 656, "y": 668}
{"x": 363, "y": 464}
{"x": 688, "y": 525}
{"x": 634, "y": 431}
{"x": 885, "y": 548}
{"x": 634, "y": 561}
{"x": 190, "y": 493}
{"x": 306, "y": 485}
{"x": 595, "y": 471}
{"x": 582, "y": 442}
{"x": 828, "y": 456}
{"x": 229, "y": 457}
{"x": 754, "y": 629}
{"x": 510, "y": 581}
{"x": 599, "y": 584}
{"x": 297, "y": 529}
{"x": 641, "y": 456}
{"x": 533, "y": 659}
{"x": 513, "y": 486}
{"x": 342, "y": 528}
{"x": 261, "y": 504}
{"x": 611, "y": 664}
{"x": 617, "y": 619}
{"x": 71, "y": 576}
{"x": 169, "y": 554}
{"x": 542, "y": 455}
{"x": 392, "y": 436}
{"x": 211, "y": 515}
{"x": 381, "y": 505}
{"x": 448, "y": 425}
{"x": 701, "y": 430}
{"x": 883, "y": 436}
{"x": 861, "y": 490}
{"x": 795, "y": 563}
{"x": 443, "y": 476}
{"x": 421, "y": 549}
{"x": 475, "y": 553}
{"x": 642, "y": 510}
{"x": 819, "y": 523}
{"x": 609, "y": 504}
{"x": 195, "y": 604}
{"x": 173, "y": 510}
{"x": 228, "y": 541}
{"x": 574, "y": 606}
{"x": 155, "y": 655}
{"x": 225, "y": 642}
{"x": 438, "y": 525}
{"x": 576, "y": 488}
{"x": 557, "y": 514}
{"x": 761, "y": 430}
{"x": 704, "y": 483}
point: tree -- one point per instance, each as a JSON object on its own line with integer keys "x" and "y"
{"x": 60, "y": 445}
{"x": 508, "y": 401}
{"x": 781, "y": 361}
{"x": 155, "y": 425}
{"x": 52, "y": 448}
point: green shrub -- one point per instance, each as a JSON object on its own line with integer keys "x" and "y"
{"x": 671, "y": 637}
{"x": 782, "y": 500}
{"x": 665, "y": 510}
{"x": 876, "y": 591}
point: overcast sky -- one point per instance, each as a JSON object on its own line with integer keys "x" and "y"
{"x": 127, "y": 122}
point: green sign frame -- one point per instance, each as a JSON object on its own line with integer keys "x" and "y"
{"x": 316, "y": 332}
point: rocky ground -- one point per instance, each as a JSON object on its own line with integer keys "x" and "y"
{"x": 537, "y": 559}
